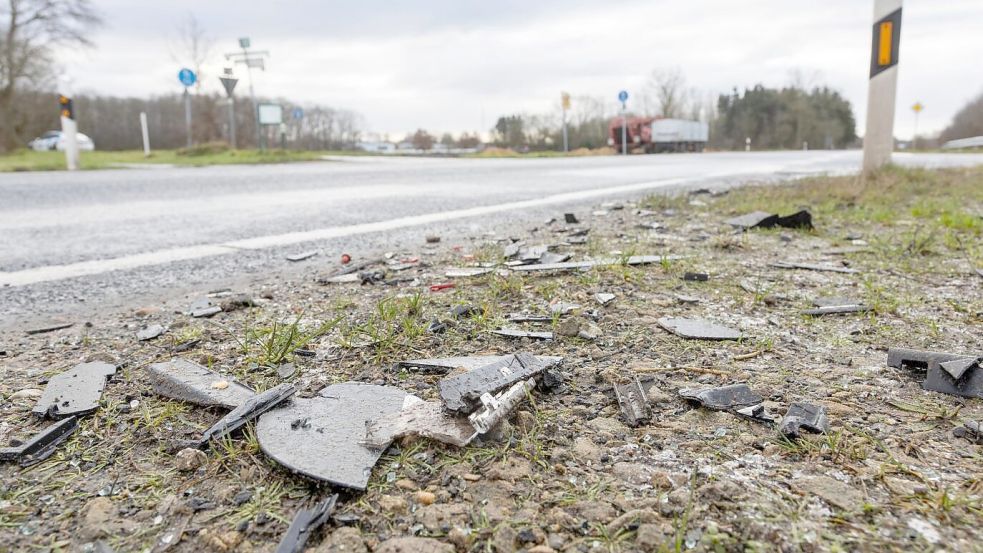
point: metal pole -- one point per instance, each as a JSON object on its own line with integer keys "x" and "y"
{"x": 914, "y": 137}
{"x": 882, "y": 88}
{"x": 624, "y": 129}
{"x": 232, "y": 122}
{"x": 187, "y": 113}
{"x": 252, "y": 98}
{"x": 566, "y": 143}
{"x": 145, "y": 133}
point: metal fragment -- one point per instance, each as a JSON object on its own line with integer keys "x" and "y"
{"x": 321, "y": 437}
{"x": 76, "y": 391}
{"x": 49, "y": 328}
{"x": 301, "y": 256}
{"x": 495, "y": 408}
{"x": 186, "y": 381}
{"x": 516, "y": 333}
{"x": 249, "y": 410}
{"x": 42, "y": 444}
{"x": 420, "y": 418}
{"x": 305, "y": 523}
{"x": 804, "y": 415}
{"x": 461, "y": 393}
{"x": 724, "y": 398}
{"x": 698, "y": 329}
{"x": 150, "y": 332}
{"x": 633, "y": 401}
{"x": 813, "y": 267}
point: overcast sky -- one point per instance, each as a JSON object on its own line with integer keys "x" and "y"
{"x": 456, "y": 65}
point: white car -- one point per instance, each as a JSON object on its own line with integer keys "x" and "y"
{"x": 55, "y": 140}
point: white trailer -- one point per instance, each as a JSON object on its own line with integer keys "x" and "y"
{"x": 679, "y": 135}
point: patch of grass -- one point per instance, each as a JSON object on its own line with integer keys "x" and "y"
{"x": 205, "y": 154}
{"x": 274, "y": 344}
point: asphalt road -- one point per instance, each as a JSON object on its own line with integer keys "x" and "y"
{"x": 76, "y": 243}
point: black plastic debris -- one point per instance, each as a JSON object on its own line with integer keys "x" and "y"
{"x": 523, "y": 318}
{"x": 204, "y": 307}
{"x": 813, "y": 267}
{"x": 42, "y": 445}
{"x": 762, "y": 219}
{"x": 757, "y": 413}
{"x": 76, "y": 391}
{"x": 463, "y": 311}
{"x": 698, "y": 329}
{"x": 301, "y": 256}
{"x": 696, "y": 277}
{"x": 437, "y": 326}
{"x": 495, "y": 408}
{"x": 420, "y": 418}
{"x": 804, "y": 416}
{"x": 286, "y": 370}
{"x": 941, "y": 379}
{"x": 462, "y": 393}
{"x": 633, "y": 401}
{"x": 957, "y": 368}
{"x": 186, "y": 346}
{"x": 49, "y": 328}
{"x": 570, "y": 219}
{"x": 321, "y": 437}
{"x": 249, "y": 410}
{"x": 150, "y": 332}
{"x": 186, "y": 381}
{"x": 725, "y": 398}
{"x": 305, "y": 523}
{"x": 970, "y": 430}
{"x": 516, "y": 333}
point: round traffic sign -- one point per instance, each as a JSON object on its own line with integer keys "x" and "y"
{"x": 298, "y": 113}
{"x": 186, "y": 76}
{"x": 623, "y": 95}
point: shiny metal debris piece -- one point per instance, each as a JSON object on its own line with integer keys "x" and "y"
{"x": 495, "y": 408}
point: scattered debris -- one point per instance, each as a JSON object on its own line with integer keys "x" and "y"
{"x": 573, "y": 265}
{"x": 970, "y": 430}
{"x": 570, "y": 219}
{"x": 463, "y": 272}
{"x": 563, "y": 308}
{"x": 204, "y": 307}
{"x": 49, "y": 328}
{"x": 303, "y": 255}
{"x": 813, "y": 267}
{"x": 305, "y": 523}
{"x": 604, "y": 298}
{"x": 286, "y": 370}
{"x": 186, "y": 381}
{"x": 150, "y": 332}
{"x": 521, "y": 318}
{"x": 836, "y": 309}
{"x": 432, "y": 239}
{"x": 757, "y": 413}
{"x": 957, "y": 368}
{"x": 516, "y": 333}
{"x": 804, "y": 415}
{"x": 463, "y": 311}
{"x": 444, "y": 286}
{"x": 725, "y": 398}
{"x": 447, "y": 364}
{"x": 632, "y": 399}
{"x": 249, "y": 410}
{"x": 421, "y": 418}
{"x": 698, "y": 329}
{"x": 696, "y": 277}
{"x": 76, "y": 391}
{"x": 41, "y": 445}
{"x": 321, "y": 437}
{"x": 939, "y": 378}
{"x": 495, "y": 408}
{"x": 461, "y": 393}
{"x": 761, "y": 219}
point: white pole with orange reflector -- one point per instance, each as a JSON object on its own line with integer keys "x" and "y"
{"x": 882, "y": 89}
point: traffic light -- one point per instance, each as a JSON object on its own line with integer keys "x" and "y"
{"x": 66, "y": 107}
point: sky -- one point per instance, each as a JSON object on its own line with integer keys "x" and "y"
{"x": 456, "y": 65}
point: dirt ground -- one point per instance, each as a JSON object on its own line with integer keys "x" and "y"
{"x": 566, "y": 473}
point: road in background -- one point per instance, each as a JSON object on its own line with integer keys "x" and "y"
{"x": 102, "y": 237}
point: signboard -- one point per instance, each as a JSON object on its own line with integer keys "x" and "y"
{"x": 229, "y": 83}
{"x": 270, "y": 114}
{"x": 886, "y": 42}
{"x": 917, "y": 107}
{"x": 187, "y": 77}
{"x": 244, "y": 42}
{"x": 298, "y": 113}
{"x": 623, "y": 96}
{"x": 565, "y": 99}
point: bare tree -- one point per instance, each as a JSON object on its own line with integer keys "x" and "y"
{"x": 193, "y": 47}
{"x": 30, "y": 30}
{"x": 666, "y": 90}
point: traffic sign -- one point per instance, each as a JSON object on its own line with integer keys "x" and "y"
{"x": 917, "y": 107}
{"x": 186, "y": 76}
{"x": 229, "y": 83}
{"x": 298, "y": 113}
{"x": 565, "y": 99}
{"x": 623, "y": 96}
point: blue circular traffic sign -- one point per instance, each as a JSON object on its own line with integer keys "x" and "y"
{"x": 186, "y": 76}
{"x": 623, "y": 95}
{"x": 298, "y": 113}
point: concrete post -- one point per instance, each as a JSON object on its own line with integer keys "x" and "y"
{"x": 882, "y": 89}
{"x": 146, "y": 134}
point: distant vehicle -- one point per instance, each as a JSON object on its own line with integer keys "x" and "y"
{"x": 55, "y": 140}
{"x": 655, "y": 134}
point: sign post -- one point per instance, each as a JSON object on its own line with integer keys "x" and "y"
{"x": 565, "y": 101}
{"x": 145, "y": 133}
{"x": 229, "y": 83}
{"x": 251, "y": 59}
{"x": 187, "y": 78}
{"x": 623, "y": 98}
{"x": 917, "y": 108}
{"x": 69, "y": 129}
{"x": 882, "y": 88}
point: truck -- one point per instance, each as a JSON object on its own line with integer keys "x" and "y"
{"x": 658, "y": 134}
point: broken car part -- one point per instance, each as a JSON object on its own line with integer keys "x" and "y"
{"x": 633, "y": 401}
{"x": 203, "y": 307}
{"x": 447, "y": 364}
{"x": 249, "y": 410}
{"x": 836, "y": 309}
{"x": 305, "y": 523}
{"x": 516, "y": 333}
{"x": 495, "y": 408}
{"x": 724, "y": 398}
{"x": 420, "y": 418}
{"x": 970, "y": 430}
{"x": 804, "y": 415}
{"x": 304, "y": 255}
{"x": 49, "y": 328}
{"x": 698, "y": 329}
{"x": 462, "y": 393}
{"x": 572, "y": 265}
{"x": 460, "y": 272}
{"x": 150, "y": 332}
{"x": 570, "y": 219}
{"x": 604, "y": 298}
{"x": 696, "y": 277}
{"x": 186, "y": 381}
{"x": 813, "y": 267}
{"x": 941, "y": 379}
{"x": 761, "y": 219}
{"x": 321, "y": 437}
{"x": 757, "y": 413}
{"x": 76, "y": 391}
{"x": 42, "y": 444}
